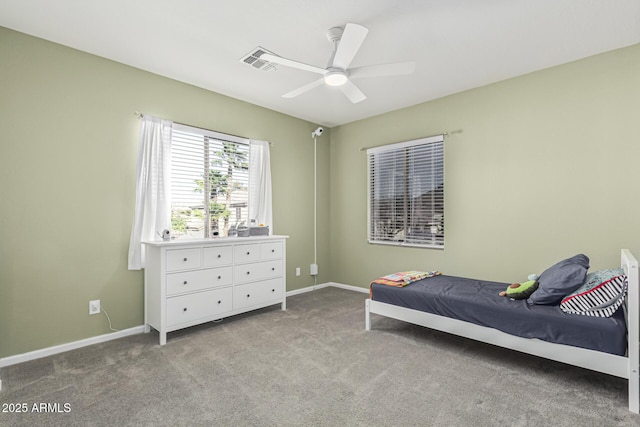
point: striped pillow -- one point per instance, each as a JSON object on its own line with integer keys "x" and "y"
{"x": 601, "y": 295}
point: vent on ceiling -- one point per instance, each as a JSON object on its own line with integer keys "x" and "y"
{"x": 254, "y": 60}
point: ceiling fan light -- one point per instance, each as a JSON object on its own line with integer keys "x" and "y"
{"x": 335, "y": 78}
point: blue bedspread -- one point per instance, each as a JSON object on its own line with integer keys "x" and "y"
{"x": 478, "y": 302}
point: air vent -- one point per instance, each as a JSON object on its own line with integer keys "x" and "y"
{"x": 254, "y": 60}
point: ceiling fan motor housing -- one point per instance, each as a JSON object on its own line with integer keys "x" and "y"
{"x": 335, "y": 77}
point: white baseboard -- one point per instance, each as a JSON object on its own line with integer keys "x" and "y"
{"x": 349, "y": 287}
{"x": 326, "y": 285}
{"x": 49, "y": 351}
{"x": 307, "y": 289}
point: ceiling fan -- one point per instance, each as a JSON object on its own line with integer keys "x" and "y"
{"x": 346, "y": 43}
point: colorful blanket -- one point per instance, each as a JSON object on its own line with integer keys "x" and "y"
{"x": 403, "y": 278}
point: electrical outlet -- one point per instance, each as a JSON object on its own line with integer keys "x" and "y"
{"x": 94, "y": 306}
{"x": 313, "y": 269}
{"x": 297, "y": 271}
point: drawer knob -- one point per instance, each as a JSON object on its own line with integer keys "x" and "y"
{"x": 185, "y": 282}
{"x": 185, "y": 260}
{"x": 219, "y": 256}
{"x": 184, "y": 309}
{"x": 273, "y": 250}
{"x": 248, "y": 253}
{"x": 273, "y": 269}
{"x": 219, "y": 302}
{"x": 219, "y": 277}
{"x": 248, "y": 295}
{"x": 248, "y": 272}
{"x": 273, "y": 290}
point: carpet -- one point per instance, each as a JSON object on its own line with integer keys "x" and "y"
{"x": 312, "y": 365}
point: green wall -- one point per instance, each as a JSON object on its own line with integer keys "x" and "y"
{"x": 67, "y": 186}
{"x": 546, "y": 167}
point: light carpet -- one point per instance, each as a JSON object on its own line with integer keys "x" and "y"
{"x": 312, "y": 365}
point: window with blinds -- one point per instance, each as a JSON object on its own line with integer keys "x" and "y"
{"x": 209, "y": 182}
{"x": 406, "y": 193}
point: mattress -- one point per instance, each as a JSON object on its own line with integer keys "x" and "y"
{"x": 478, "y": 302}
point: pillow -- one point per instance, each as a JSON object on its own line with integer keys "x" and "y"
{"x": 559, "y": 280}
{"x": 601, "y": 295}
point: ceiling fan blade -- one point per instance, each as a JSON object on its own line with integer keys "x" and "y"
{"x": 395, "y": 69}
{"x": 291, "y": 63}
{"x": 352, "y": 92}
{"x": 350, "y": 42}
{"x": 304, "y": 89}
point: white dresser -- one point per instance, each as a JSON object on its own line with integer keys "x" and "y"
{"x": 188, "y": 282}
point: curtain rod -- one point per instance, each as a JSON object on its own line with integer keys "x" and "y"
{"x": 444, "y": 134}
{"x": 140, "y": 115}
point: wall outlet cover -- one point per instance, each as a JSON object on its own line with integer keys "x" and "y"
{"x": 94, "y": 306}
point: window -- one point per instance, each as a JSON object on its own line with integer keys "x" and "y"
{"x": 209, "y": 182}
{"x": 406, "y": 193}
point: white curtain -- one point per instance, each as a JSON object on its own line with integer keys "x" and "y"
{"x": 260, "y": 184}
{"x": 153, "y": 187}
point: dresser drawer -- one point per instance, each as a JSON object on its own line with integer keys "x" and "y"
{"x": 216, "y": 256}
{"x": 271, "y": 250}
{"x": 246, "y": 253}
{"x": 257, "y": 293}
{"x": 183, "y": 259}
{"x": 189, "y": 281}
{"x": 189, "y": 308}
{"x": 257, "y": 271}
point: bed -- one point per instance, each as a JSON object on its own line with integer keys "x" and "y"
{"x": 611, "y": 345}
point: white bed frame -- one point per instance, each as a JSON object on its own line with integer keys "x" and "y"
{"x": 619, "y": 366}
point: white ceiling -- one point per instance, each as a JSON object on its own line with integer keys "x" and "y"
{"x": 456, "y": 44}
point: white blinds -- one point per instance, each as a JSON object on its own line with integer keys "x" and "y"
{"x": 209, "y": 182}
{"x": 406, "y": 193}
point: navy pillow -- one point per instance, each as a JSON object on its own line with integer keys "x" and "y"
{"x": 560, "y": 280}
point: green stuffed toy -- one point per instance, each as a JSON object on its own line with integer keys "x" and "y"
{"x": 520, "y": 290}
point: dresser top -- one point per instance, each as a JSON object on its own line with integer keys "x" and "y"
{"x": 213, "y": 241}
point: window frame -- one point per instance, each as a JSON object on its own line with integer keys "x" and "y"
{"x": 438, "y": 154}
